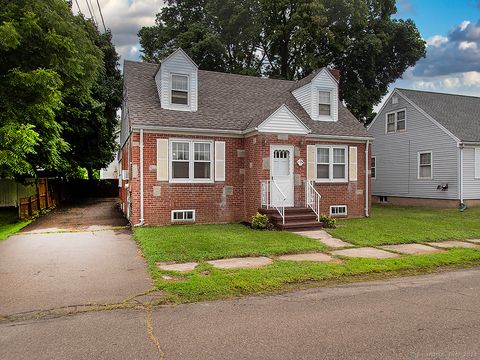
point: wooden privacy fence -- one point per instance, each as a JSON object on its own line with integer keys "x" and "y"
{"x": 42, "y": 200}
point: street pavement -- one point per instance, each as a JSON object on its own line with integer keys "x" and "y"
{"x": 434, "y": 316}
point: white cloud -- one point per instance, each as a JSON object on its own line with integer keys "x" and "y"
{"x": 436, "y": 40}
{"x": 464, "y": 25}
{"x": 464, "y": 45}
{"x": 125, "y": 18}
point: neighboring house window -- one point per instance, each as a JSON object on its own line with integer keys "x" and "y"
{"x": 332, "y": 163}
{"x": 191, "y": 161}
{"x": 396, "y": 121}
{"x": 180, "y": 89}
{"x": 324, "y": 106}
{"x": 373, "y": 167}
{"x": 425, "y": 165}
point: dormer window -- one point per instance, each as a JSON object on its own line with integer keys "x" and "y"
{"x": 324, "y": 105}
{"x": 179, "y": 89}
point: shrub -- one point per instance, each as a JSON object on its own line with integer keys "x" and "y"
{"x": 260, "y": 222}
{"x": 328, "y": 222}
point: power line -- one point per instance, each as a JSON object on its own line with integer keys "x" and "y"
{"x": 93, "y": 11}
{"x": 78, "y": 6}
{"x": 101, "y": 16}
{"x": 90, "y": 11}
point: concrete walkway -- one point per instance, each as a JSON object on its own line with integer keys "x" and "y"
{"x": 382, "y": 252}
{"x": 40, "y": 271}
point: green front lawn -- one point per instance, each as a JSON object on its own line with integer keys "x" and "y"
{"x": 9, "y": 223}
{"x": 207, "y": 242}
{"x": 394, "y": 225}
{"x": 203, "y": 242}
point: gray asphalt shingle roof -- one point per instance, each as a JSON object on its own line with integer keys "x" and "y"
{"x": 226, "y": 102}
{"x": 459, "y": 114}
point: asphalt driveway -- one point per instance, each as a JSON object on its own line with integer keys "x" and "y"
{"x": 76, "y": 255}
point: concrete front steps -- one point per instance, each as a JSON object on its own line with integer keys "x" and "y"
{"x": 296, "y": 218}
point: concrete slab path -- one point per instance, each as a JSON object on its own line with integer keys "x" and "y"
{"x": 325, "y": 238}
{"x": 411, "y": 249}
{"x": 180, "y": 267}
{"x": 317, "y": 257}
{"x": 239, "y": 263}
{"x": 453, "y": 243}
{"x": 365, "y": 252}
{"x": 476, "y": 241}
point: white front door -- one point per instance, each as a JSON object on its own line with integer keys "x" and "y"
{"x": 281, "y": 174}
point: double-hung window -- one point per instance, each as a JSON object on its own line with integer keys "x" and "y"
{"x": 332, "y": 163}
{"x": 396, "y": 121}
{"x": 179, "y": 89}
{"x": 324, "y": 103}
{"x": 425, "y": 165}
{"x": 191, "y": 161}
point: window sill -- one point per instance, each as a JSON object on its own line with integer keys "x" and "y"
{"x": 331, "y": 181}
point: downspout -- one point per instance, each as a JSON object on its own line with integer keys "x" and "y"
{"x": 462, "y": 205}
{"x": 366, "y": 179}
{"x": 142, "y": 220}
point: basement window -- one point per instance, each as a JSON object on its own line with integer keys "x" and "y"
{"x": 338, "y": 210}
{"x": 183, "y": 215}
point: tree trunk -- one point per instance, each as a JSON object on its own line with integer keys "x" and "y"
{"x": 90, "y": 173}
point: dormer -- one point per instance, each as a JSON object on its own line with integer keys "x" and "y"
{"x": 319, "y": 95}
{"x": 177, "y": 82}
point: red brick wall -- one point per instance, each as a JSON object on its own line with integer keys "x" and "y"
{"x": 243, "y": 174}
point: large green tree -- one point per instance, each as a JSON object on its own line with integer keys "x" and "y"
{"x": 60, "y": 88}
{"x": 45, "y": 56}
{"x": 90, "y": 123}
{"x": 291, "y": 38}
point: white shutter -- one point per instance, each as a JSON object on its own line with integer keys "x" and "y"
{"x": 352, "y": 169}
{"x": 219, "y": 160}
{"x": 310, "y": 162}
{"x": 477, "y": 163}
{"x": 162, "y": 159}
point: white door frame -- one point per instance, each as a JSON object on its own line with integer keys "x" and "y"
{"x": 290, "y": 194}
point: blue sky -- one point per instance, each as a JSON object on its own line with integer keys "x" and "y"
{"x": 450, "y": 27}
{"x": 452, "y": 31}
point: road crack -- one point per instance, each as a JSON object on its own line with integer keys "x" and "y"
{"x": 150, "y": 333}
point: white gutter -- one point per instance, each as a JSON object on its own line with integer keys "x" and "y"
{"x": 461, "y": 172}
{"x": 366, "y": 179}
{"x": 142, "y": 220}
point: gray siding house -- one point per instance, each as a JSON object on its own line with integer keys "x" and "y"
{"x": 426, "y": 149}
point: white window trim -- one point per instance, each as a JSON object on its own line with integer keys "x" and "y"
{"x": 331, "y": 179}
{"x": 396, "y": 119}
{"x": 187, "y": 105}
{"x": 431, "y": 165}
{"x": 182, "y": 220}
{"x": 476, "y": 162}
{"x": 191, "y": 162}
{"x": 373, "y": 177}
{"x": 336, "y": 206}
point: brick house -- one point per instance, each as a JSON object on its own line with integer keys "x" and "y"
{"x": 209, "y": 147}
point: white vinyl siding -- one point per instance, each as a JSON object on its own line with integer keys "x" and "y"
{"x": 331, "y": 163}
{"x": 425, "y": 165}
{"x": 309, "y": 96}
{"x": 191, "y": 161}
{"x": 397, "y": 156}
{"x": 177, "y": 64}
{"x": 282, "y": 121}
{"x": 471, "y": 172}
